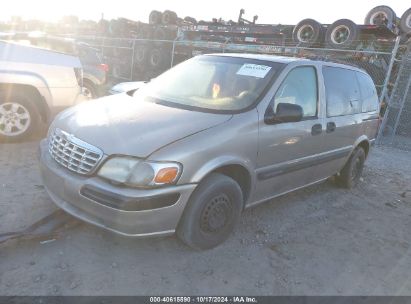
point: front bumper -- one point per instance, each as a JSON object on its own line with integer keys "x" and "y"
{"x": 66, "y": 189}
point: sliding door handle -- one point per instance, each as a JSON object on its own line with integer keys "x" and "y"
{"x": 331, "y": 127}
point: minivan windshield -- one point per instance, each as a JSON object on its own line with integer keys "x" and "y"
{"x": 215, "y": 83}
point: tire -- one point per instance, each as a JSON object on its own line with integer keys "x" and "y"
{"x": 26, "y": 120}
{"x": 159, "y": 59}
{"x": 211, "y": 213}
{"x": 405, "y": 23}
{"x": 381, "y": 15}
{"x": 190, "y": 20}
{"x": 155, "y": 17}
{"x": 141, "y": 56}
{"x": 350, "y": 174}
{"x": 342, "y": 34}
{"x": 89, "y": 89}
{"x": 308, "y": 32}
{"x": 169, "y": 17}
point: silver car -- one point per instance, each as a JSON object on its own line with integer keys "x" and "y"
{"x": 189, "y": 151}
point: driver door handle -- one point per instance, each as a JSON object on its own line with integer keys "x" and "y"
{"x": 316, "y": 129}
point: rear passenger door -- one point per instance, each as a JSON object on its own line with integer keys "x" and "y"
{"x": 342, "y": 117}
{"x": 370, "y": 105}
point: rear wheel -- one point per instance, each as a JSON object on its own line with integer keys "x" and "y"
{"x": 169, "y": 17}
{"x": 405, "y": 23}
{"x": 212, "y": 212}
{"x": 308, "y": 32}
{"x": 89, "y": 90}
{"x": 19, "y": 118}
{"x": 342, "y": 34}
{"x": 350, "y": 175}
{"x": 381, "y": 15}
{"x": 155, "y": 17}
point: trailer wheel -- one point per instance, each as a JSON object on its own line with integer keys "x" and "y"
{"x": 405, "y": 23}
{"x": 342, "y": 34}
{"x": 140, "y": 56}
{"x": 169, "y": 17}
{"x": 155, "y": 17}
{"x": 190, "y": 20}
{"x": 159, "y": 59}
{"x": 381, "y": 15}
{"x": 308, "y": 32}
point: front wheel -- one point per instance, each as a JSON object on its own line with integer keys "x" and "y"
{"x": 19, "y": 119}
{"x": 350, "y": 175}
{"x": 212, "y": 212}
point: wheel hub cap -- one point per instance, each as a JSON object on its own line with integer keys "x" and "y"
{"x": 216, "y": 214}
{"x": 14, "y": 119}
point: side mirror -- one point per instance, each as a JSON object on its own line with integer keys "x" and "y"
{"x": 286, "y": 112}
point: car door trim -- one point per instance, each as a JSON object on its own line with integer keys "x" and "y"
{"x": 302, "y": 163}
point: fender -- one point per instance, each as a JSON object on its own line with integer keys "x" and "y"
{"x": 221, "y": 161}
{"x": 91, "y": 78}
{"x": 27, "y": 78}
{"x": 359, "y": 140}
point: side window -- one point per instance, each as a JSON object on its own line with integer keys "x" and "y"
{"x": 368, "y": 93}
{"x": 299, "y": 87}
{"x": 342, "y": 91}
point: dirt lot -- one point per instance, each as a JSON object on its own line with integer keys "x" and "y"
{"x": 319, "y": 241}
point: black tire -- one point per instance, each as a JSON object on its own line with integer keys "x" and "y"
{"x": 308, "y": 32}
{"x": 211, "y": 213}
{"x": 169, "y": 17}
{"x": 159, "y": 59}
{"x": 23, "y": 101}
{"x": 141, "y": 54}
{"x": 342, "y": 34}
{"x": 190, "y": 20}
{"x": 89, "y": 89}
{"x": 381, "y": 15}
{"x": 350, "y": 174}
{"x": 155, "y": 17}
{"x": 405, "y": 23}
{"x": 114, "y": 28}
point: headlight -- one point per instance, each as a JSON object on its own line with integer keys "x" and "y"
{"x": 135, "y": 172}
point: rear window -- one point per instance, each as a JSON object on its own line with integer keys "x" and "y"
{"x": 368, "y": 93}
{"x": 342, "y": 91}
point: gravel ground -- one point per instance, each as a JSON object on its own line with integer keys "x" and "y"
{"x": 318, "y": 241}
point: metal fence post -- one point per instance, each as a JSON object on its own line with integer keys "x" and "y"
{"x": 172, "y": 51}
{"x": 389, "y": 70}
{"x": 385, "y": 88}
{"x": 132, "y": 59}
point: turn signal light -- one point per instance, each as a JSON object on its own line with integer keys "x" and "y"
{"x": 166, "y": 176}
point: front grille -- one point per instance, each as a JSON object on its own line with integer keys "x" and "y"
{"x": 73, "y": 153}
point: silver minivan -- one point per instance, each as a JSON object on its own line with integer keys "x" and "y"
{"x": 190, "y": 150}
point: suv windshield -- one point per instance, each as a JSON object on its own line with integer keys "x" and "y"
{"x": 212, "y": 83}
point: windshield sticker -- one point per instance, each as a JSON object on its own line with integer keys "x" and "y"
{"x": 255, "y": 70}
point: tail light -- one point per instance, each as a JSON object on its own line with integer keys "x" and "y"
{"x": 79, "y": 76}
{"x": 104, "y": 67}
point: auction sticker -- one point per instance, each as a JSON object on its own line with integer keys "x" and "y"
{"x": 255, "y": 70}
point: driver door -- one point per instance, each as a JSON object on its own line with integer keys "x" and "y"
{"x": 288, "y": 151}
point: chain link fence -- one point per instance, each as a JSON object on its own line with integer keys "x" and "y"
{"x": 396, "y": 125}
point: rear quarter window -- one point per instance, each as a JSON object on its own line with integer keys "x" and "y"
{"x": 342, "y": 91}
{"x": 368, "y": 93}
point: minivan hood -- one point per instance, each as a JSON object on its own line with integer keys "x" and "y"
{"x": 121, "y": 124}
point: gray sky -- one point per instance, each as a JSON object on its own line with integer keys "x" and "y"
{"x": 285, "y": 12}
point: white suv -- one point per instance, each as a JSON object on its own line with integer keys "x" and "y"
{"x": 35, "y": 84}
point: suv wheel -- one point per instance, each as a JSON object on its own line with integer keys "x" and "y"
{"x": 212, "y": 212}
{"x": 18, "y": 117}
{"x": 89, "y": 90}
{"x": 352, "y": 171}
